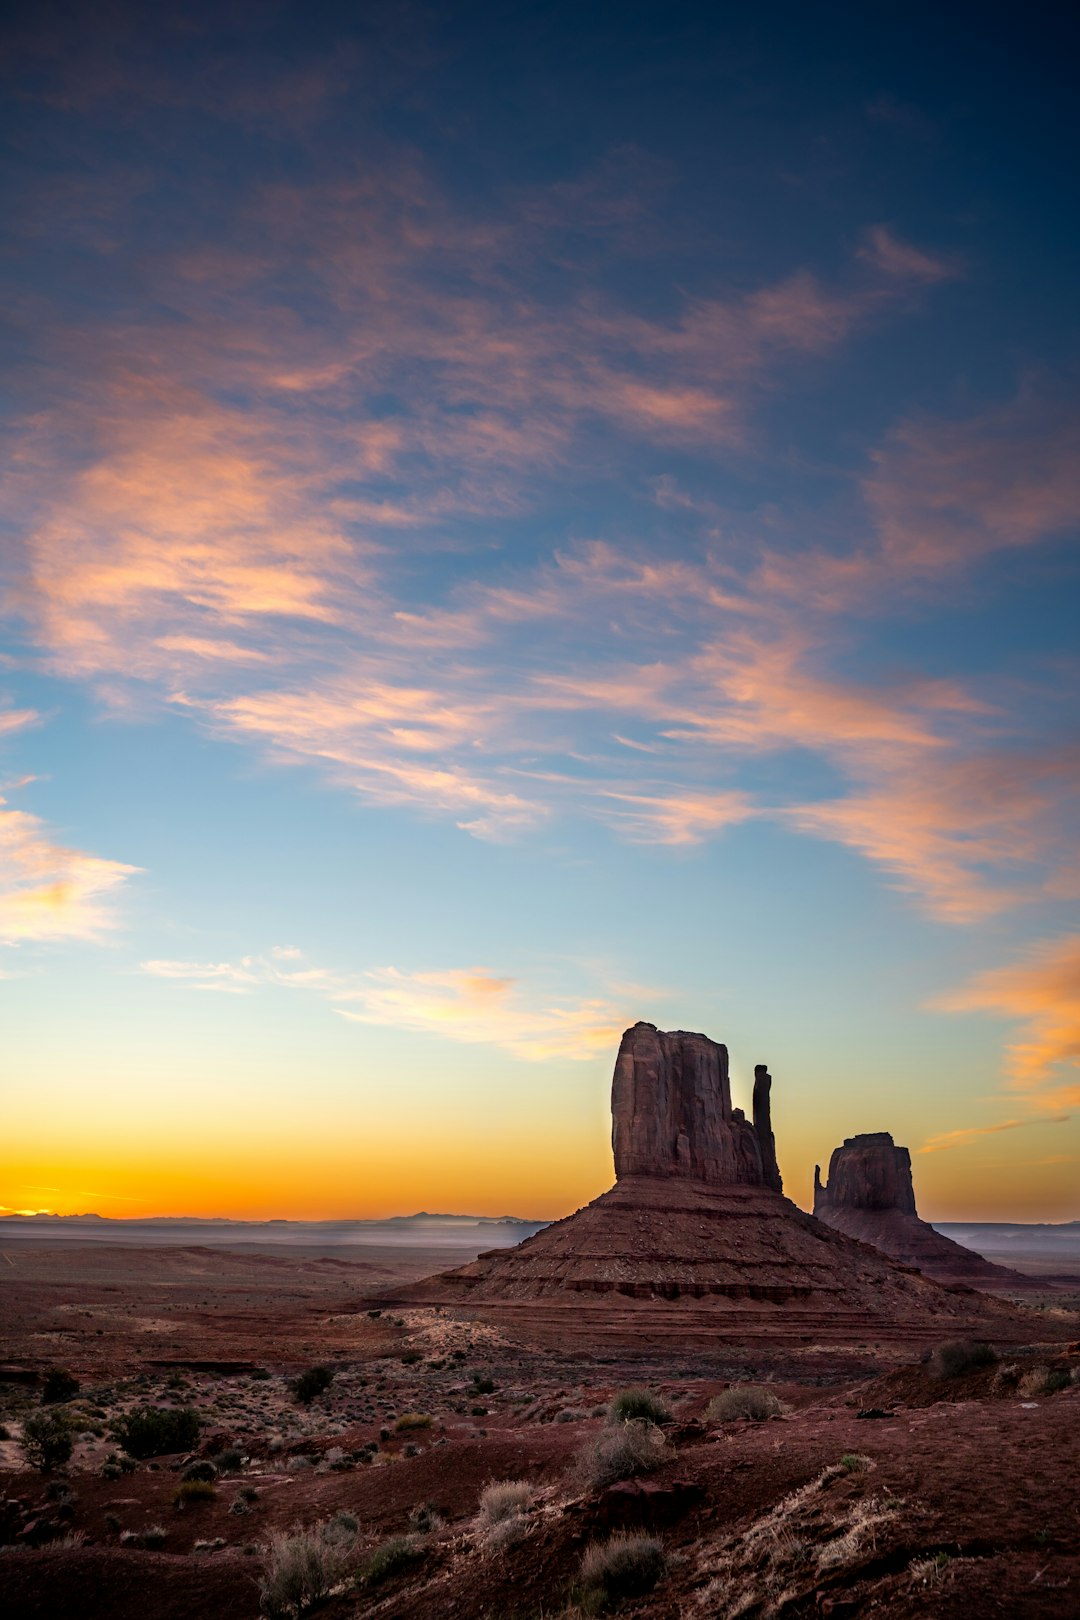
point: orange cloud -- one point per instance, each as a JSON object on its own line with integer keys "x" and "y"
{"x": 472, "y": 1005}
{"x": 956, "y": 1139}
{"x": 1042, "y": 991}
{"x": 49, "y": 892}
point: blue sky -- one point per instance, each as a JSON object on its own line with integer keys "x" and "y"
{"x": 520, "y": 519}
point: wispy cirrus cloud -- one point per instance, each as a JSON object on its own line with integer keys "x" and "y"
{"x": 49, "y": 892}
{"x": 238, "y": 518}
{"x": 471, "y": 1005}
{"x": 890, "y": 254}
{"x": 946, "y": 1140}
{"x": 1040, "y": 991}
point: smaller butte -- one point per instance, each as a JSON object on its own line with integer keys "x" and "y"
{"x": 870, "y": 1196}
{"x": 696, "y": 1243}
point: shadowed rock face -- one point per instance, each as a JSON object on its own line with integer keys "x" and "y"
{"x": 870, "y": 1196}
{"x": 697, "y": 1216}
{"x": 868, "y": 1172}
{"x": 671, "y": 1113}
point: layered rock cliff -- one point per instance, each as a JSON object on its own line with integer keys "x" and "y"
{"x": 671, "y": 1113}
{"x": 697, "y": 1218}
{"x": 870, "y": 1196}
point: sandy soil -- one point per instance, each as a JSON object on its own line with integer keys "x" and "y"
{"x": 962, "y": 1499}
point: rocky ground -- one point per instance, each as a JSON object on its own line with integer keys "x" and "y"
{"x": 878, "y": 1487}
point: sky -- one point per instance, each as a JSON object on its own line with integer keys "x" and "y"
{"x": 521, "y": 518}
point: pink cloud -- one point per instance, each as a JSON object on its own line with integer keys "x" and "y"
{"x": 1040, "y": 991}
{"x": 893, "y": 257}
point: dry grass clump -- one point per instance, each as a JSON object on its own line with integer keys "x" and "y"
{"x": 637, "y": 1403}
{"x": 413, "y": 1420}
{"x": 620, "y": 1452}
{"x": 744, "y": 1401}
{"x": 501, "y": 1514}
{"x": 393, "y": 1558}
{"x": 958, "y": 1356}
{"x": 780, "y": 1561}
{"x": 302, "y": 1567}
{"x": 625, "y": 1566}
{"x": 193, "y": 1491}
{"x": 502, "y": 1499}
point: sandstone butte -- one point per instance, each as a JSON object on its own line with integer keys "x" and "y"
{"x": 696, "y": 1244}
{"x": 870, "y": 1195}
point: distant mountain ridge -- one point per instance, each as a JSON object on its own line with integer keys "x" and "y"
{"x": 281, "y": 1220}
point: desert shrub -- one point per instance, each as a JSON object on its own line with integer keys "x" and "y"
{"x": 853, "y": 1462}
{"x": 621, "y": 1451}
{"x": 483, "y": 1386}
{"x": 300, "y": 1568}
{"x": 567, "y": 1415}
{"x": 958, "y": 1356}
{"x": 155, "y": 1431}
{"x": 203, "y": 1469}
{"x": 342, "y": 1529}
{"x": 238, "y": 1505}
{"x": 392, "y": 1558}
{"x": 409, "y": 1358}
{"x": 743, "y": 1401}
{"x": 193, "y": 1491}
{"x": 425, "y": 1519}
{"x": 413, "y": 1420}
{"x": 626, "y": 1566}
{"x": 315, "y": 1381}
{"x": 59, "y": 1385}
{"x": 152, "y": 1537}
{"x": 502, "y": 1499}
{"x": 1043, "y": 1381}
{"x": 47, "y": 1440}
{"x": 511, "y": 1532}
{"x": 637, "y": 1403}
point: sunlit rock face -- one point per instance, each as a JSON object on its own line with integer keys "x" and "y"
{"x": 868, "y": 1172}
{"x": 671, "y": 1113}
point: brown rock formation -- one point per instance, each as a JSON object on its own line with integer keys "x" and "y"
{"x": 870, "y": 1173}
{"x": 870, "y": 1196}
{"x": 697, "y": 1217}
{"x": 671, "y": 1113}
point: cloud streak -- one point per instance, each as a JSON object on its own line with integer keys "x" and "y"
{"x": 1041, "y": 992}
{"x": 470, "y": 1005}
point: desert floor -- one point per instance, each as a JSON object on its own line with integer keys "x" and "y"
{"x": 878, "y": 1488}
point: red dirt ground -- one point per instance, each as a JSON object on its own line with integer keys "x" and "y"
{"x": 971, "y": 1481}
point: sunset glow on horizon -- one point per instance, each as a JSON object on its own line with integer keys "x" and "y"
{"x": 521, "y": 520}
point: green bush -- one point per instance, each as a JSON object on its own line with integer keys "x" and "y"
{"x": 958, "y": 1356}
{"x": 193, "y": 1491}
{"x": 743, "y": 1401}
{"x": 315, "y": 1381}
{"x": 156, "y": 1431}
{"x": 624, "y": 1567}
{"x": 392, "y": 1558}
{"x": 59, "y": 1385}
{"x": 637, "y": 1403}
{"x": 47, "y": 1440}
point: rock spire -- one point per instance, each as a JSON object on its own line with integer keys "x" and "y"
{"x": 671, "y": 1113}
